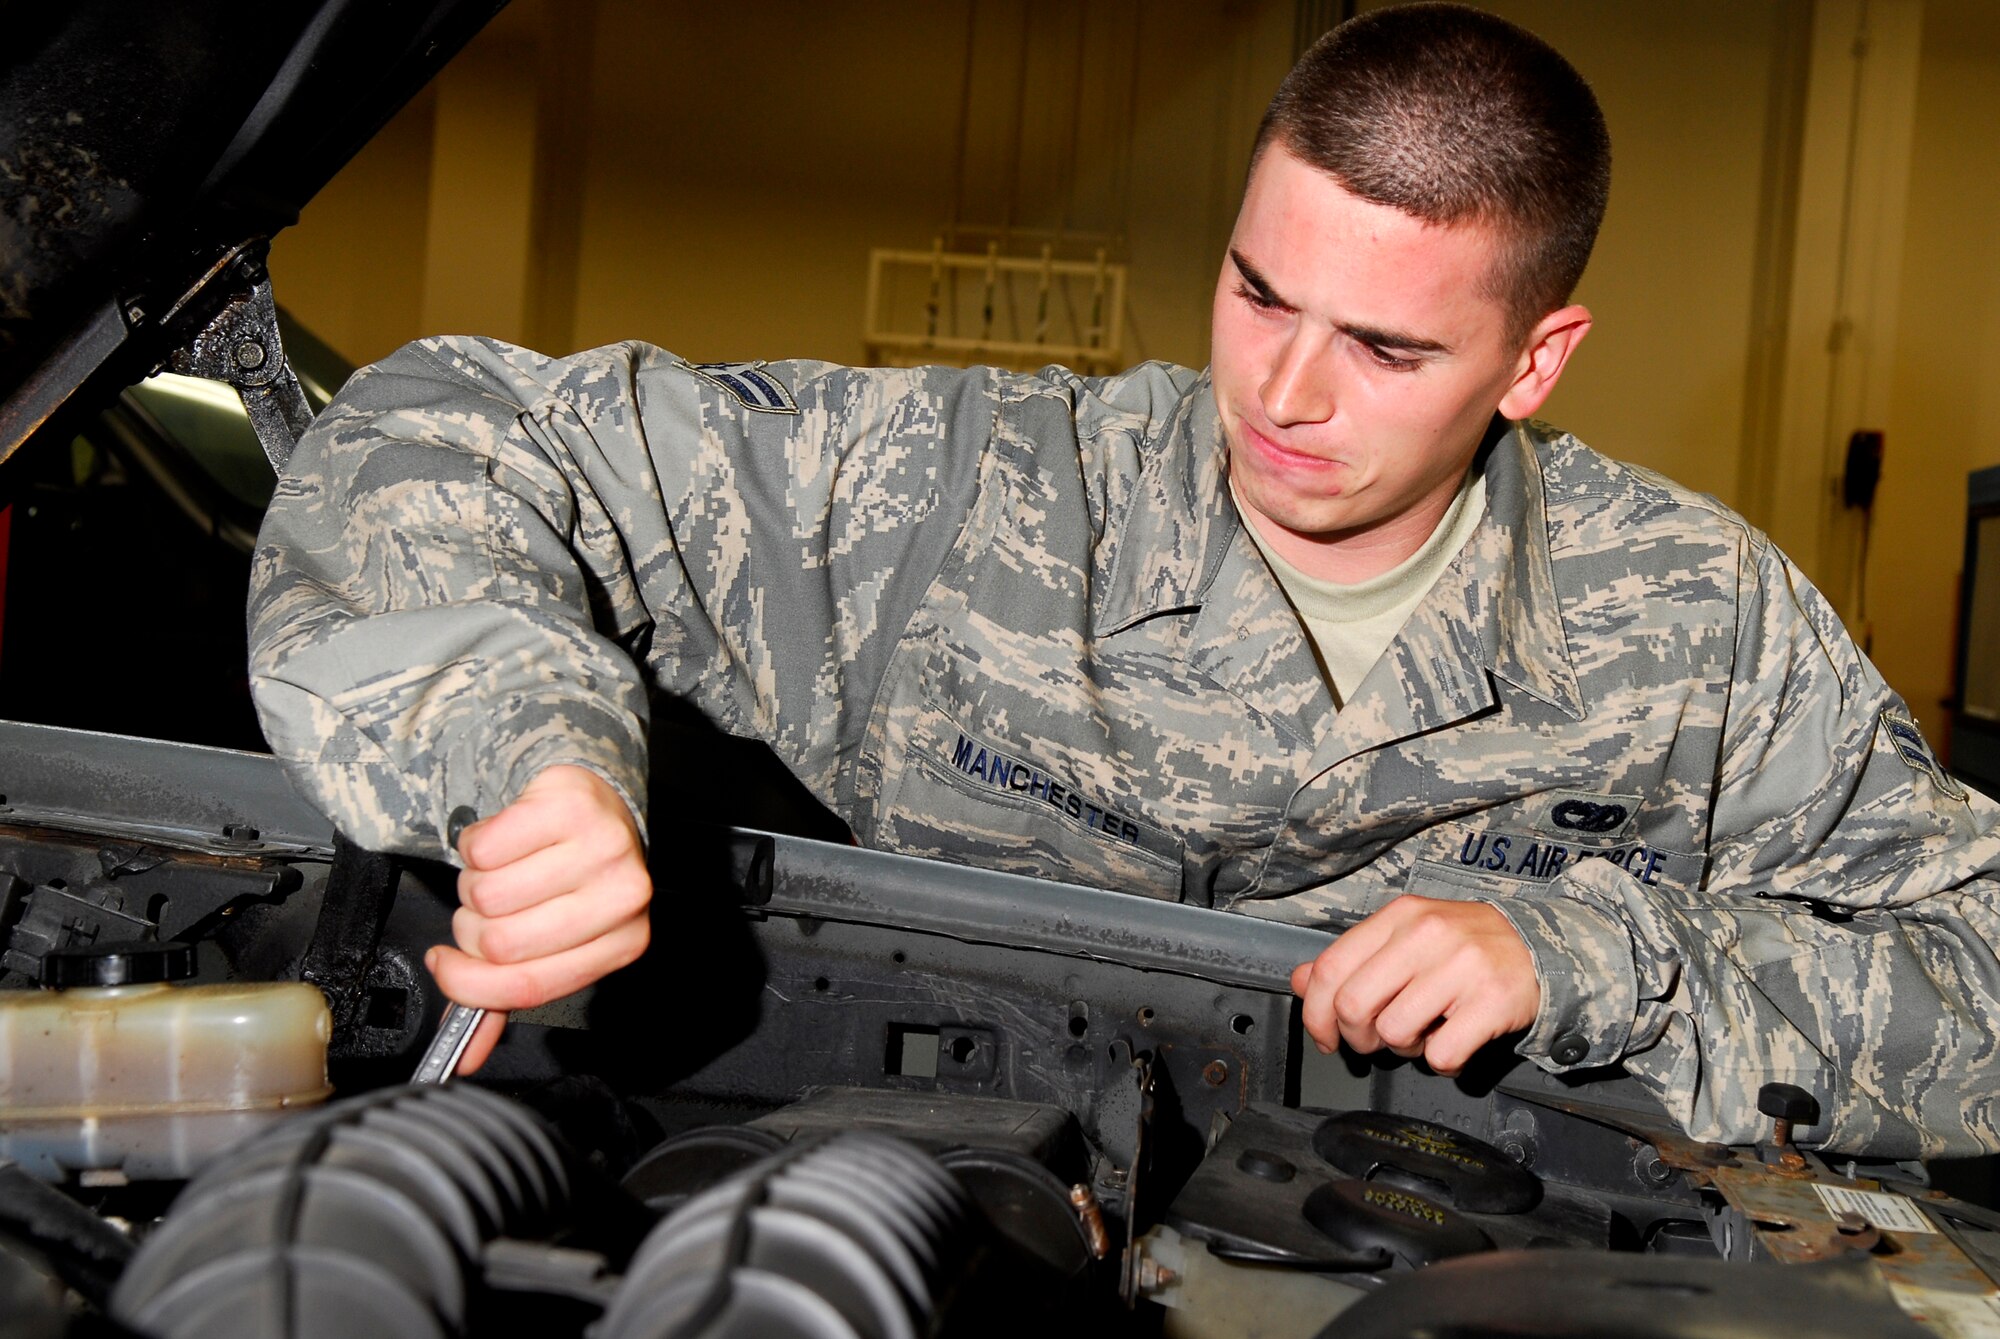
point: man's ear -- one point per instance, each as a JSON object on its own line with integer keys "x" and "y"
{"x": 1543, "y": 358}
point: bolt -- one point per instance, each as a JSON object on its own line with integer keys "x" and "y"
{"x": 1787, "y": 1104}
{"x": 1154, "y": 1276}
{"x": 1215, "y": 1074}
{"x": 1518, "y": 1148}
{"x": 1091, "y": 1215}
{"x": 249, "y": 354}
{"x": 1654, "y": 1171}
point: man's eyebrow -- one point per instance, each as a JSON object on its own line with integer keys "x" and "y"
{"x": 1371, "y": 336}
{"x": 1391, "y": 339}
{"x": 1255, "y": 278}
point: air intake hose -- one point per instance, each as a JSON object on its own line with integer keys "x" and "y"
{"x": 364, "y": 1218}
{"x": 862, "y": 1236}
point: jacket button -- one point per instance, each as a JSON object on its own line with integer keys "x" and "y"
{"x": 1569, "y": 1049}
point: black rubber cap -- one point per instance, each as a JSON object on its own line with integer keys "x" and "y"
{"x": 1264, "y": 1166}
{"x": 126, "y": 963}
{"x": 1788, "y": 1101}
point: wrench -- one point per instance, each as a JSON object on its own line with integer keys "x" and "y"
{"x": 455, "y": 1030}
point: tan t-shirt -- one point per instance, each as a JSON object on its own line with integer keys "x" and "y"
{"x": 1352, "y": 625}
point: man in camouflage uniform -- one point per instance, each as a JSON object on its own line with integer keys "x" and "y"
{"x": 1619, "y": 785}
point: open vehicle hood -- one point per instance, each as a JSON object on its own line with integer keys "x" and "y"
{"x": 149, "y": 152}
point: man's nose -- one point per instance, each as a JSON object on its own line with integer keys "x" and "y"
{"x": 1299, "y": 388}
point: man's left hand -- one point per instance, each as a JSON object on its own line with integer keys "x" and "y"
{"x": 1421, "y": 977}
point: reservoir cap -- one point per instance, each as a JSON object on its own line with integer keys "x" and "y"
{"x": 122, "y": 963}
{"x": 1419, "y": 1155}
{"x": 1372, "y": 1216}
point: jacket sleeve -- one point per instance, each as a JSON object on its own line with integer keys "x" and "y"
{"x": 482, "y": 561}
{"x": 1843, "y": 939}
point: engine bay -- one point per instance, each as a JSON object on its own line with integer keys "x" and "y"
{"x": 847, "y": 1093}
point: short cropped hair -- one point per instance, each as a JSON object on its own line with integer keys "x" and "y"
{"x": 1453, "y": 115}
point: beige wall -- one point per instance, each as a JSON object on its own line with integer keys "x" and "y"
{"x": 1944, "y": 411}
{"x": 712, "y": 180}
{"x": 1687, "y": 90}
{"x": 353, "y": 267}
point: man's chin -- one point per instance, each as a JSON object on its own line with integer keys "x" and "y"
{"x": 1318, "y": 524}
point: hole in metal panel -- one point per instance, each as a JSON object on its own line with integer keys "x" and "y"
{"x": 913, "y": 1051}
{"x": 387, "y": 1007}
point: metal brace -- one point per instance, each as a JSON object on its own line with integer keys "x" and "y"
{"x": 240, "y": 347}
{"x": 1139, "y": 1074}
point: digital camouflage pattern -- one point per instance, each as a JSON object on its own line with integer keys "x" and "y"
{"x": 1015, "y": 621}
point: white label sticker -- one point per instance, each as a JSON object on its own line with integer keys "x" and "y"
{"x": 1891, "y": 1213}
{"x": 1954, "y": 1315}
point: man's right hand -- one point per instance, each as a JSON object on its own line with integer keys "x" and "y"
{"x": 553, "y": 896}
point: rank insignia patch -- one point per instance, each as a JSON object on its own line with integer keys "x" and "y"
{"x": 1909, "y": 742}
{"x": 753, "y": 386}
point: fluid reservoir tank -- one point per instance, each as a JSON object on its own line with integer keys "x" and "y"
{"x": 112, "y": 1070}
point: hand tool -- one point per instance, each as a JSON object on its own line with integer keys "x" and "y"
{"x": 460, "y": 1021}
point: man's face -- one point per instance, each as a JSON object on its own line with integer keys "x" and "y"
{"x": 1357, "y": 362}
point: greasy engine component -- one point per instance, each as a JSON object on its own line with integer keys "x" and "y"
{"x": 878, "y": 973}
{"x": 369, "y": 986}
{"x": 105, "y": 838}
{"x": 58, "y": 889}
{"x": 367, "y": 1218}
{"x": 115, "y": 1069}
{"x": 861, "y": 1236}
{"x": 678, "y": 1169}
{"x": 1102, "y": 1079}
{"x": 1266, "y": 1195}
{"x": 1047, "y": 1255}
{"x": 1031, "y": 1209}
{"x": 1588, "y": 1294}
{"x": 71, "y": 1246}
{"x": 1023, "y": 1165}
{"x": 31, "y": 1296}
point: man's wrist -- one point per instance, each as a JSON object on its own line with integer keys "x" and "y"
{"x": 1583, "y": 965}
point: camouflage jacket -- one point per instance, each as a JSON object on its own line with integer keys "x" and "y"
{"x": 1015, "y": 621}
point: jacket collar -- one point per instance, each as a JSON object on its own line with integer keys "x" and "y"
{"x": 1179, "y": 525}
{"x": 1523, "y": 635}
{"x": 1493, "y": 614}
{"x": 1494, "y": 611}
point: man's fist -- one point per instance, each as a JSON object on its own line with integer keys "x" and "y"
{"x": 1421, "y": 977}
{"x": 553, "y": 896}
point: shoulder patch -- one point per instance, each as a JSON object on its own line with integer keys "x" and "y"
{"x": 1910, "y": 744}
{"x": 751, "y": 383}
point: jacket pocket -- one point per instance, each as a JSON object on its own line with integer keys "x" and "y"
{"x": 976, "y": 803}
